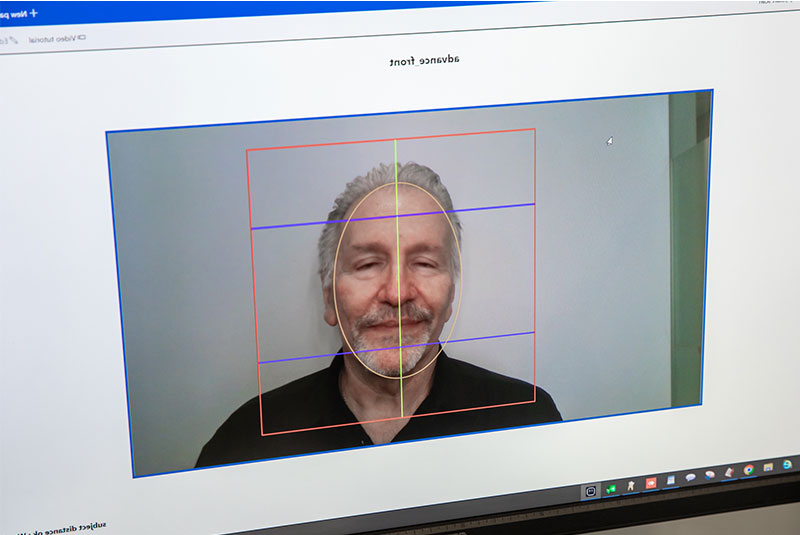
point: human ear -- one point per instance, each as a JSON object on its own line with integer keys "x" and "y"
{"x": 330, "y": 312}
{"x": 450, "y": 306}
{"x": 448, "y": 313}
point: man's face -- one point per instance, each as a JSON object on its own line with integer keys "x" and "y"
{"x": 385, "y": 286}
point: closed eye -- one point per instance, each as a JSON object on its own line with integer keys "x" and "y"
{"x": 365, "y": 267}
{"x": 426, "y": 263}
{"x": 367, "y": 264}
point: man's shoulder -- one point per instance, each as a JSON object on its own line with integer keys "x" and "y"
{"x": 293, "y": 406}
{"x": 291, "y": 401}
{"x": 467, "y": 376}
{"x": 484, "y": 387}
{"x": 471, "y": 372}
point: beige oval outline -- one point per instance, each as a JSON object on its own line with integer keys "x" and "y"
{"x": 460, "y": 281}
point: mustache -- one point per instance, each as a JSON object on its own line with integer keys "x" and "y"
{"x": 408, "y": 311}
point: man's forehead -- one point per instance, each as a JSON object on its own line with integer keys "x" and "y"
{"x": 387, "y": 200}
{"x": 430, "y": 231}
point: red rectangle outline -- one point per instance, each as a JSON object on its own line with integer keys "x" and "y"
{"x": 253, "y": 273}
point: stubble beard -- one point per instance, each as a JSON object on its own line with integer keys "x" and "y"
{"x": 387, "y": 362}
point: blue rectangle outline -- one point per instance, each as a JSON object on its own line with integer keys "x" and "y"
{"x": 611, "y": 97}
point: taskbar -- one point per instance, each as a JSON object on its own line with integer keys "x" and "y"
{"x": 597, "y": 505}
{"x": 677, "y": 479}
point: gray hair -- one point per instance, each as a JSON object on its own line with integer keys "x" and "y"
{"x": 358, "y": 188}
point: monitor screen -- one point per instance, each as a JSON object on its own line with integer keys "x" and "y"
{"x": 337, "y": 267}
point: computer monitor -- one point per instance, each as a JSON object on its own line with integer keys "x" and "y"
{"x": 385, "y": 267}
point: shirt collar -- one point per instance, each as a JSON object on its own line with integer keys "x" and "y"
{"x": 432, "y": 403}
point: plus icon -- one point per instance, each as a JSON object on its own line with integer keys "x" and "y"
{"x": 34, "y": 13}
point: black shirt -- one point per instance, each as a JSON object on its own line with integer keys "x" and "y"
{"x": 314, "y": 401}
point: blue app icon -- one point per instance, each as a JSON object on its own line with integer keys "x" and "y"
{"x": 787, "y": 464}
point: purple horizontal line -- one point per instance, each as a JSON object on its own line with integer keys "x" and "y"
{"x": 385, "y": 348}
{"x": 394, "y": 216}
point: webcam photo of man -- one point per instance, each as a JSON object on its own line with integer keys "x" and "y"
{"x": 389, "y": 265}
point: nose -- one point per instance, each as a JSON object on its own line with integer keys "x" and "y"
{"x": 398, "y": 286}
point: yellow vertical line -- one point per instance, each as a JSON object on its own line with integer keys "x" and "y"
{"x": 399, "y": 308}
